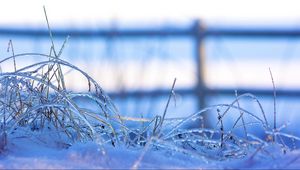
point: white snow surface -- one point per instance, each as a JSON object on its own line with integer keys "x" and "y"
{"x": 27, "y": 154}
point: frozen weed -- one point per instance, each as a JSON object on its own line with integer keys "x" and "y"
{"x": 34, "y": 100}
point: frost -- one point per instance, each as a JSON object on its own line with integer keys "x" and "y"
{"x": 37, "y": 107}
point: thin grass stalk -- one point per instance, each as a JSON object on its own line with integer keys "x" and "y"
{"x": 274, "y": 100}
{"x": 241, "y": 116}
{"x": 167, "y": 106}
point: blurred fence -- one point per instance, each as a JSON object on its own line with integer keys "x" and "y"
{"x": 197, "y": 33}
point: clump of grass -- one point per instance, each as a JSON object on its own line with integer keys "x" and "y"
{"x": 35, "y": 97}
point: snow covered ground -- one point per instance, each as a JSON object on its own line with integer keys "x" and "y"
{"x": 26, "y": 154}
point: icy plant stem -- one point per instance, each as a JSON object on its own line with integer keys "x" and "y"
{"x": 49, "y": 29}
{"x": 60, "y": 74}
{"x": 221, "y": 128}
{"x": 167, "y": 105}
{"x": 156, "y": 124}
{"x": 10, "y": 46}
{"x": 241, "y": 115}
{"x": 274, "y": 97}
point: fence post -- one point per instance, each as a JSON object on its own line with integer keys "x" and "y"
{"x": 200, "y": 89}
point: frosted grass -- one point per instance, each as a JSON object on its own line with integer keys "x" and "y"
{"x": 36, "y": 104}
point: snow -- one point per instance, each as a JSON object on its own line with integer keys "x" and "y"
{"x": 27, "y": 154}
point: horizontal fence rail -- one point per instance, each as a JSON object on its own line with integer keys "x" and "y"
{"x": 197, "y": 32}
{"x": 217, "y": 91}
{"x": 272, "y": 33}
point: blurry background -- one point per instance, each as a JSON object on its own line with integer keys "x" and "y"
{"x": 135, "y": 49}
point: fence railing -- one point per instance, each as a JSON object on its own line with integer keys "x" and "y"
{"x": 197, "y": 32}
